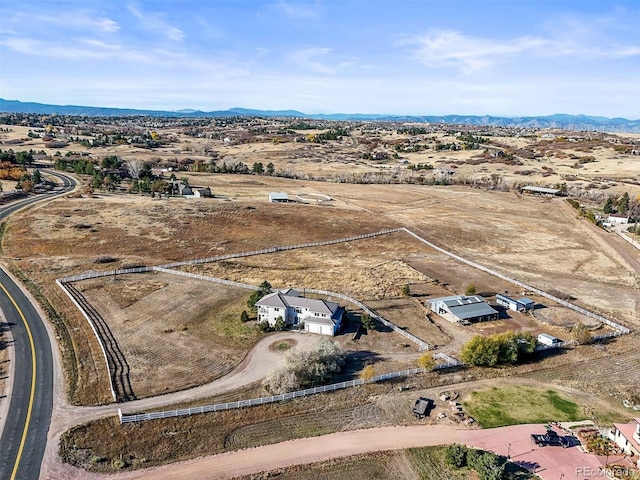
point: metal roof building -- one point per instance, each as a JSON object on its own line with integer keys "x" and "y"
{"x": 540, "y": 190}
{"x": 463, "y": 308}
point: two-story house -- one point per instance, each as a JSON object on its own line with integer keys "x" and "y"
{"x": 317, "y": 316}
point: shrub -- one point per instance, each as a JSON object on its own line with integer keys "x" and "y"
{"x": 367, "y": 373}
{"x": 367, "y": 322}
{"x": 501, "y": 348}
{"x": 456, "y": 455}
{"x": 279, "y": 325}
{"x": 580, "y": 333}
{"x": 426, "y": 361}
{"x": 306, "y": 369}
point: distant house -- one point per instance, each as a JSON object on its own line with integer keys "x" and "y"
{"x": 462, "y": 308}
{"x": 318, "y": 316}
{"x": 619, "y": 219}
{"x": 548, "y": 340}
{"x": 176, "y": 187}
{"x": 276, "y": 197}
{"x": 522, "y": 305}
{"x": 532, "y": 190}
{"x": 627, "y": 437}
{"x": 202, "y": 192}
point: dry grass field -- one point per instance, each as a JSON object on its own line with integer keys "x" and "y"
{"x": 175, "y": 332}
{"x": 535, "y": 240}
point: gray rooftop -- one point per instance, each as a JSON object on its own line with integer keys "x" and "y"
{"x": 474, "y": 310}
{"x": 279, "y": 299}
{"x": 531, "y": 188}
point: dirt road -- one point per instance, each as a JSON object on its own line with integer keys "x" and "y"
{"x": 256, "y": 365}
{"x": 303, "y": 451}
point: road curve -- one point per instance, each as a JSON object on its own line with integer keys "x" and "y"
{"x": 24, "y": 436}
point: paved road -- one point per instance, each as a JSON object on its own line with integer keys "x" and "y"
{"x": 24, "y": 436}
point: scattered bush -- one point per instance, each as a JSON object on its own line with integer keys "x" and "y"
{"x": 487, "y": 465}
{"x": 580, "y": 333}
{"x": 306, "y": 369}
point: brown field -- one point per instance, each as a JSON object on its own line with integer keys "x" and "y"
{"x": 180, "y": 332}
{"x": 535, "y": 240}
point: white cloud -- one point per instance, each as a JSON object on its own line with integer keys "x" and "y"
{"x": 299, "y": 10}
{"x": 449, "y": 48}
{"x": 310, "y": 58}
{"x": 154, "y": 23}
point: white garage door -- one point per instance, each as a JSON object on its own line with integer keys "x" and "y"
{"x": 313, "y": 327}
{"x": 327, "y": 330}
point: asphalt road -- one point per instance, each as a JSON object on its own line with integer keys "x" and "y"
{"x": 25, "y": 431}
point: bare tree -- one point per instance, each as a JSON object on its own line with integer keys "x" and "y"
{"x": 135, "y": 167}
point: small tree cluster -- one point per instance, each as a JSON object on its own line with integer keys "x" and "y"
{"x": 306, "y": 369}
{"x": 498, "y": 349}
{"x": 487, "y": 465}
{"x": 367, "y": 322}
{"x": 263, "y": 289}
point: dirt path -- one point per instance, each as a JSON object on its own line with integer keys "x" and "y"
{"x": 304, "y": 451}
{"x": 256, "y": 365}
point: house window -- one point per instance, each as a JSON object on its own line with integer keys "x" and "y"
{"x": 298, "y": 310}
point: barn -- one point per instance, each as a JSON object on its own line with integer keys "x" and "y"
{"x": 278, "y": 197}
{"x": 463, "y": 308}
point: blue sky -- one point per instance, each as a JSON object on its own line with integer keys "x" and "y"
{"x": 495, "y": 57}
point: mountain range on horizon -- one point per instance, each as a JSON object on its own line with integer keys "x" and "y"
{"x": 566, "y": 121}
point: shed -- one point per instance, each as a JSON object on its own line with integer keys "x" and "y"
{"x": 527, "y": 303}
{"x": 548, "y": 340}
{"x": 275, "y": 197}
{"x": 509, "y": 303}
{"x": 202, "y": 192}
{"x": 422, "y": 407}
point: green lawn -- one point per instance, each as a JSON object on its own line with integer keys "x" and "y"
{"x": 497, "y": 407}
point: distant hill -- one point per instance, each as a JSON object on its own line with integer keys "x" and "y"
{"x": 570, "y": 122}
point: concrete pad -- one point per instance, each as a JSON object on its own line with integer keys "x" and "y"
{"x": 549, "y": 463}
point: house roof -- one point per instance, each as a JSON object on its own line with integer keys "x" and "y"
{"x": 526, "y": 301}
{"x": 627, "y": 430}
{"x": 319, "y": 320}
{"x": 272, "y": 300}
{"x": 279, "y": 299}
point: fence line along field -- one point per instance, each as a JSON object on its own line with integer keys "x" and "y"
{"x": 503, "y": 230}
{"x": 181, "y": 333}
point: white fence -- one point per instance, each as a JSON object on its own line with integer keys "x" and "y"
{"x": 422, "y": 345}
{"x": 61, "y": 284}
{"x": 281, "y": 248}
{"x": 167, "y": 268}
{"x": 271, "y": 399}
{"x": 620, "y": 329}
